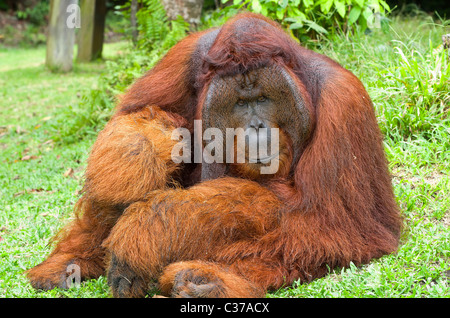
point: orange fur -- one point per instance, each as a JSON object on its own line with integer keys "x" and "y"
{"x": 198, "y": 223}
{"x": 230, "y": 237}
{"x": 234, "y": 285}
{"x": 131, "y": 157}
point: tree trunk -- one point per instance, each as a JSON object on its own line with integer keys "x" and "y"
{"x": 91, "y": 35}
{"x": 190, "y": 10}
{"x": 64, "y": 18}
{"x": 133, "y": 11}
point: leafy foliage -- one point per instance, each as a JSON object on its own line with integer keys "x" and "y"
{"x": 414, "y": 92}
{"x": 156, "y": 36}
{"x": 308, "y": 18}
{"x": 37, "y": 196}
{"x": 35, "y": 14}
{"x": 156, "y": 33}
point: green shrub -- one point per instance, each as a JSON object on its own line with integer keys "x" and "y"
{"x": 156, "y": 33}
{"x": 36, "y": 14}
{"x": 156, "y": 36}
{"x": 308, "y": 18}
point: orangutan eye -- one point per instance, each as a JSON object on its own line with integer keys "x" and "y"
{"x": 262, "y": 99}
{"x": 241, "y": 102}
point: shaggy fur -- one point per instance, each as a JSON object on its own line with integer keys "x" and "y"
{"x": 230, "y": 236}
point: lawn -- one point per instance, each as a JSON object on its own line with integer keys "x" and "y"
{"x": 408, "y": 78}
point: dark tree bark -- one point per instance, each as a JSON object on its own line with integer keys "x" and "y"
{"x": 91, "y": 35}
{"x": 134, "y": 29}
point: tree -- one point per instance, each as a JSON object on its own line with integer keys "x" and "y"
{"x": 61, "y": 34}
{"x": 190, "y": 10}
{"x": 91, "y": 35}
{"x": 134, "y": 28}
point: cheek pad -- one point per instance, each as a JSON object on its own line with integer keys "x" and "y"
{"x": 290, "y": 112}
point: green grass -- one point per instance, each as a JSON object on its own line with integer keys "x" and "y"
{"x": 36, "y": 198}
{"x": 407, "y": 76}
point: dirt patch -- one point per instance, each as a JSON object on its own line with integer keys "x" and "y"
{"x": 446, "y": 219}
{"x": 12, "y": 21}
{"x": 432, "y": 179}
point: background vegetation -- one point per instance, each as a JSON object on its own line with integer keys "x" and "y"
{"x": 49, "y": 121}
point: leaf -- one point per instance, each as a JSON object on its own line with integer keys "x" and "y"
{"x": 296, "y": 25}
{"x": 264, "y": 11}
{"x": 340, "y": 7}
{"x": 280, "y": 14}
{"x": 326, "y": 6}
{"x": 256, "y": 6}
{"x": 19, "y": 193}
{"x": 368, "y": 16}
{"x": 384, "y": 5}
{"x": 69, "y": 172}
{"x": 284, "y": 3}
{"x": 354, "y": 15}
{"x": 367, "y": 13}
{"x": 28, "y": 157}
{"x": 38, "y": 190}
{"x": 308, "y": 3}
{"x": 19, "y": 130}
{"x": 313, "y": 25}
{"x": 290, "y": 19}
{"x": 292, "y": 12}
